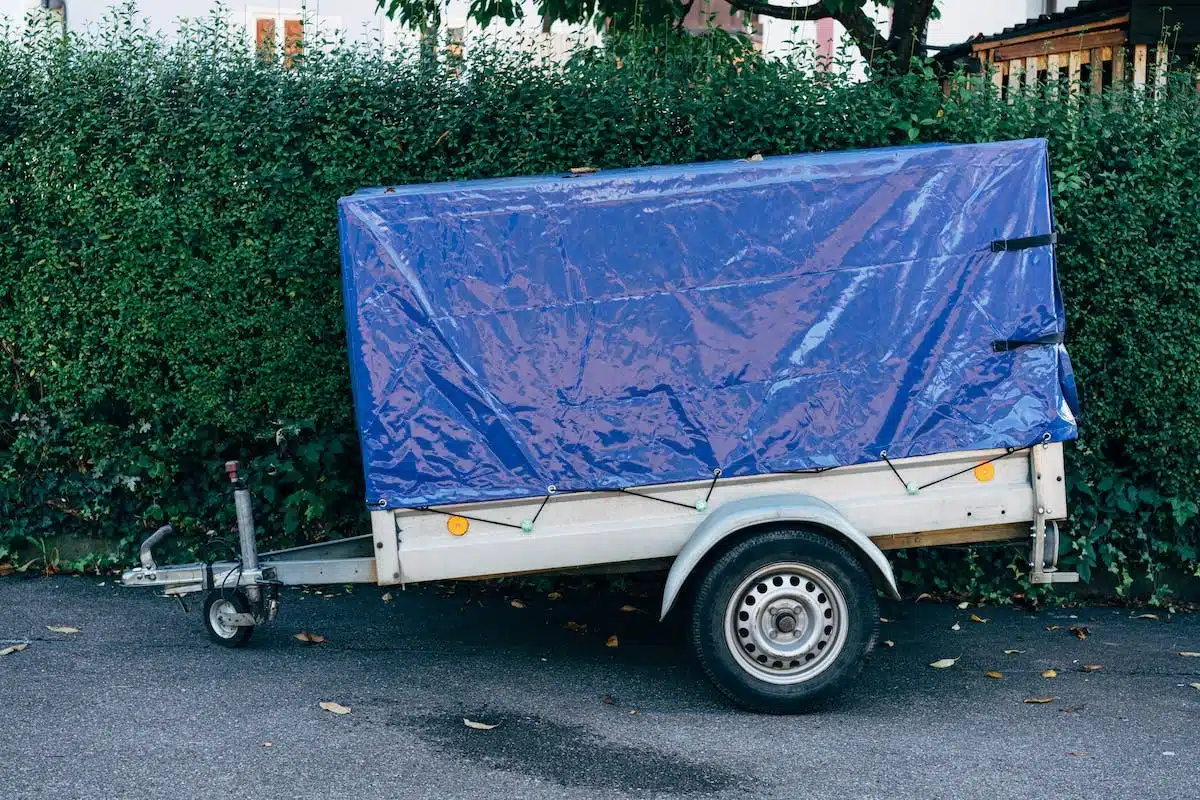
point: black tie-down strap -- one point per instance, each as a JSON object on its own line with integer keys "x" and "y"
{"x": 1008, "y": 245}
{"x": 1004, "y": 345}
{"x": 1024, "y": 243}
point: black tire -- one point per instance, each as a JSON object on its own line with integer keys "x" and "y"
{"x": 237, "y": 637}
{"x": 808, "y": 673}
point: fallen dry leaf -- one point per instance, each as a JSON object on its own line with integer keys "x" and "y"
{"x": 628, "y": 607}
{"x": 62, "y": 629}
{"x": 1012, "y": 652}
{"x": 956, "y": 627}
{"x": 309, "y": 638}
{"x": 1053, "y": 627}
{"x": 923, "y": 596}
{"x": 977, "y": 618}
{"x": 888, "y": 643}
{"x": 1146, "y": 616}
{"x": 16, "y": 648}
{"x": 554, "y": 596}
{"x": 884, "y": 619}
{"x": 995, "y": 675}
{"x": 582, "y": 170}
{"x": 575, "y": 626}
{"x": 516, "y": 604}
{"x": 755, "y": 157}
{"x": 963, "y": 604}
{"x": 1049, "y": 674}
{"x": 387, "y": 597}
{"x": 1078, "y": 753}
{"x": 1038, "y": 700}
{"x": 1189, "y": 654}
{"x": 1194, "y": 685}
{"x": 1092, "y": 667}
{"x": 943, "y": 663}
{"x": 612, "y": 641}
{"x": 479, "y": 726}
{"x": 334, "y": 708}
{"x": 267, "y": 744}
{"x": 1079, "y": 631}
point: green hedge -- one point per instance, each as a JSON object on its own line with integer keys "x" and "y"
{"x": 169, "y": 290}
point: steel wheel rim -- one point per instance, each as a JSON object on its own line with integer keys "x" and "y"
{"x": 786, "y": 623}
{"x": 214, "y": 619}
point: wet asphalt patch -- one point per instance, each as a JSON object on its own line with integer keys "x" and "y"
{"x": 566, "y": 755}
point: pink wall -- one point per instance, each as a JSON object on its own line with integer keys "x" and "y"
{"x": 825, "y": 43}
{"x": 715, "y": 13}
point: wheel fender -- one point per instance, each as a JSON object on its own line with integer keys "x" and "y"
{"x": 735, "y": 516}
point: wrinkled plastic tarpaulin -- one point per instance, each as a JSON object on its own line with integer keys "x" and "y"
{"x": 651, "y": 325}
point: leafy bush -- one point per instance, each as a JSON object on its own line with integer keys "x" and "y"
{"x": 169, "y": 277}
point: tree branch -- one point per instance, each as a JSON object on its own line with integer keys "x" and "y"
{"x": 858, "y": 25}
{"x": 862, "y": 30}
{"x": 909, "y": 23}
{"x": 812, "y": 11}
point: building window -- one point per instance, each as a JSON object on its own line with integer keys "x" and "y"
{"x": 293, "y": 30}
{"x": 274, "y": 29}
{"x": 264, "y": 37}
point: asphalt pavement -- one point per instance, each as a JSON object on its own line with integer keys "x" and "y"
{"x": 140, "y": 704}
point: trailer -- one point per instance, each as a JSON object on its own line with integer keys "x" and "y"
{"x": 758, "y": 375}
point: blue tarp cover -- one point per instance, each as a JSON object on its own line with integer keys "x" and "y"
{"x": 650, "y": 325}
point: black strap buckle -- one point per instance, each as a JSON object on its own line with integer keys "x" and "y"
{"x": 1009, "y": 245}
{"x": 1006, "y": 345}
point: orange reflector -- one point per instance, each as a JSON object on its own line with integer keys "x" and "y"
{"x": 457, "y": 525}
{"x": 984, "y": 473}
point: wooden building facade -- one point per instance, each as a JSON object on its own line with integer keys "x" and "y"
{"x": 1098, "y": 43}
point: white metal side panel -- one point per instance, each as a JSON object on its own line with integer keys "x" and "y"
{"x": 590, "y": 528}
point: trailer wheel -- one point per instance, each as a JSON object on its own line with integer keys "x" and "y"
{"x": 783, "y": 620}
{"x": 222, "y": 601}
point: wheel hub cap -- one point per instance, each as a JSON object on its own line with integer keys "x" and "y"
{"x": 216, "y": 612}
{"x": 786, "y": 623}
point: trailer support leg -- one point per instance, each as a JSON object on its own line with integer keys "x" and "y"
{"x": 249, "y": 547}
{"x": 1043, "y": 562}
